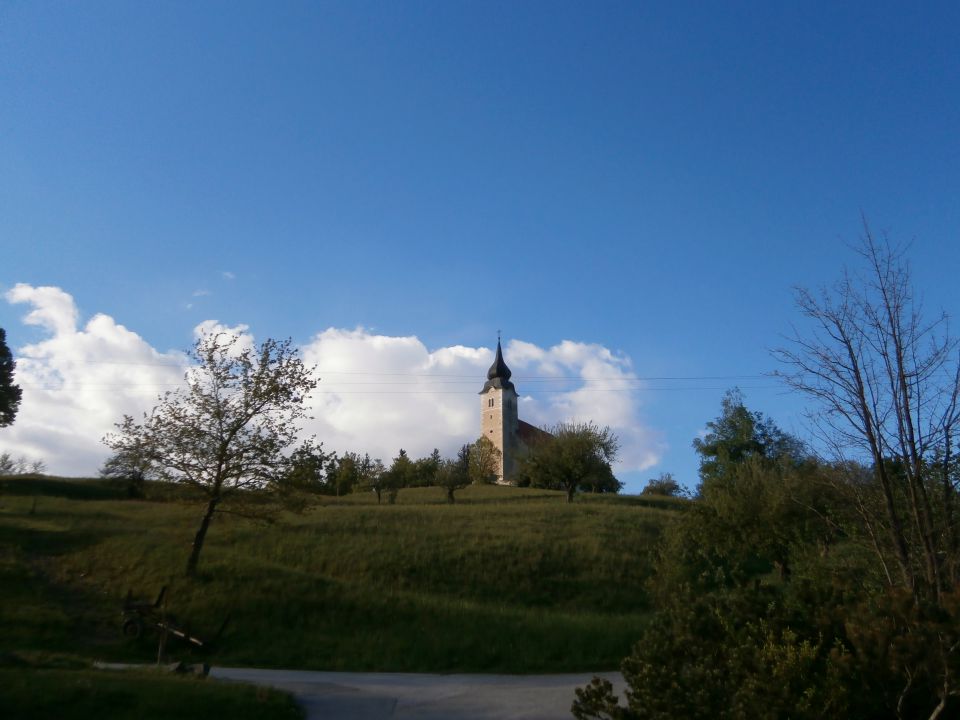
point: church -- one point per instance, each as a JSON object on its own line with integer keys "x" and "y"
{"x": 499, "y": 422}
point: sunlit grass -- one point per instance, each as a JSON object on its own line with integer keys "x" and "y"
{"x": 506, "y": 579}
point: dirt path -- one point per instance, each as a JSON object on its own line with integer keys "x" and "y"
{"x": 373, "y": 696}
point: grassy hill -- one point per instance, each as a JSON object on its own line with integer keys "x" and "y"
{"x": 506, "y": 580}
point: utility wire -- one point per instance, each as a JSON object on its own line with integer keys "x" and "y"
{"x": 537, "y": 391}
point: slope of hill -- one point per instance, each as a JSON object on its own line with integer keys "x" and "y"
{"x": 506, "y": 580}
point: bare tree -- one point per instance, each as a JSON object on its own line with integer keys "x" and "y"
{"x": 886, "y": 383}
{"x": 9, "y": 465}
{"x": 227, "y": 432}
{"x": 885, "y": 380}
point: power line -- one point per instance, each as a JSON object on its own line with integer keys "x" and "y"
{"x": 465, "y": 377}
{"x": 332, "y": 391}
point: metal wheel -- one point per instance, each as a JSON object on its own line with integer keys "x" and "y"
{"x": 132, "y": 628}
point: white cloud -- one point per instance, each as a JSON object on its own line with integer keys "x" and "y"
{"x": 585, "y": 382}
{"x": 227, "y": 275}
{"x": 53, "y": 309}
{"x": 377, "y": 393}
{"x": 381, "y": 393}
{"x": 213, "y": 327}
{"x": 79, "y": 381}
{"x": 202, "y": 293}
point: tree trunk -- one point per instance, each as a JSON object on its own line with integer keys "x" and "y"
{"x": 201, "y": 536}
{"x": 450, "y": 496}
{"x": 950, "y": 525}
{"x": 570, "y": 491}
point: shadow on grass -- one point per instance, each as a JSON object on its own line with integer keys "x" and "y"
{"x": 78, "y": 489}
{"x": 48, "y": 543}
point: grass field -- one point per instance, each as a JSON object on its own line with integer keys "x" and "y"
{"x": 506, "y": 580}
{"x": 77, "y": 693}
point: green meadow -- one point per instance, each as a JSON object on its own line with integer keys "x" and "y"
{"x": 506, "y": 580}
{"x": 47, "y": 693}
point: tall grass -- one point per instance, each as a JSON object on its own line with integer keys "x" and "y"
{"x": 505, "y": 580}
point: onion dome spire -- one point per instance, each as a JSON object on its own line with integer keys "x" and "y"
{"x": 498, "y": 376}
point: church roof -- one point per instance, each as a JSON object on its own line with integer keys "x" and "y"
{"x": 530, "y": 434}
{"x": 498, "y": 376}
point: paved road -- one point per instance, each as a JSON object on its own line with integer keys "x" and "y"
{"x": 374, "y": 696}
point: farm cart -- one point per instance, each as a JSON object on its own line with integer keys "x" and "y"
{"x": 139, "y": 616}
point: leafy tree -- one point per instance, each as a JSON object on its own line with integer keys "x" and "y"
{"x": 725, "y": 657}
{"x": 739, "y": 434}
{"x": 347, "y": 472}
{"x": 372, "y": 475}
{"x": 751, "y": 473}
{"x": 133, "y": 465}
{"x": 664, "y": 484}
{"x": 455, "y": 474}
{"x": 9, "y": 393}
{"x": 863, "y": 618}
{"x": 725, "y": 641}
{"x": 575, "y": 456}
{"x": 402, "y": 473}
{"x": 307, "y": 470}
{"x": 426, "y": 468}
{"x": 228, "y": 430}
{"x": 484, "y": 461}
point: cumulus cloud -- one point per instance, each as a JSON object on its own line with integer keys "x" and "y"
{"x": 585, "y": 382}
{"x": 377, "y": 393}
{"x": 79, "y": 381}
{"x": 380, "y": 393}
{"x": 245, "y": 339}
{"x": 53, "y": 309}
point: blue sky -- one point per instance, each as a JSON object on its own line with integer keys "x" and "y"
{"x": 645, "y": 178}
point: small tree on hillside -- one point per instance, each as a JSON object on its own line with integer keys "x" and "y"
{"x": 575, "y": 455}
{"x": 425, "y": 469}
{"x": 402, "y": 473}
{"x": 306, "y": 470}
{"x": 454, "y": 475}
{"x": 346, "y": 472}
{"x": 664, "y": 484}
{"x": 132, "y": 465}
{"x": 484, "y": 461}
{"x": 9, "y": 393}
{"x": 228, "y": 430}
{"x": 373, "y": 476}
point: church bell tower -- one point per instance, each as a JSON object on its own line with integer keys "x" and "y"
{"x": 498, "y": 414}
